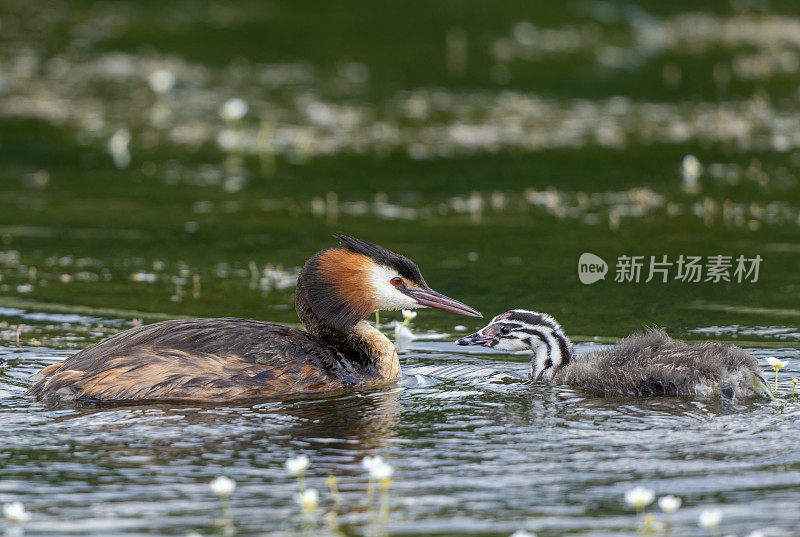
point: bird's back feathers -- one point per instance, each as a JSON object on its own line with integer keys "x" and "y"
{"x": 197, "y": 359}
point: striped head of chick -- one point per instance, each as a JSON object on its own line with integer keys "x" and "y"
{"x": 523, "y": 330}
{"x": 345, "y": 285}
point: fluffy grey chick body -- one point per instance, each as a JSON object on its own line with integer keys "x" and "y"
{"x": 647, "y": 364}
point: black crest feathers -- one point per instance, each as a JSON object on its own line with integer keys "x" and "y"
{"x": 404, "y": 266}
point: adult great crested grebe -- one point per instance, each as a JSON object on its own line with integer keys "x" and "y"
{"x": 230, "y": 359}
{"x": 642, "y": 364}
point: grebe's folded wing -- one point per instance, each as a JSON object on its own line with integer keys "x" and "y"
{"x": 201, "y": 360}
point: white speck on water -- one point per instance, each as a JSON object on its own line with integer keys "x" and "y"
{"x": 233, "y": 109}
{"x": 161, "y": 80}
{"x": 118, "y": 148}
{"x": 144, "y": 277}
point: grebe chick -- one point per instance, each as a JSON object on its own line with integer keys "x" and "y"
{"x": 646, "y": 364}
{"x": 234, "y": 359}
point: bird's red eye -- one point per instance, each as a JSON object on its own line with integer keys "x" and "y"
{"x": 397, "y": 282}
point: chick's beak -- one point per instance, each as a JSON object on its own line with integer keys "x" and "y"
{"x": 475, "y": 339}
{"x": 432, "y": 299}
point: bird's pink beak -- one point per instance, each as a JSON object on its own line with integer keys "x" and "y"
{"x": 432, "y": 299}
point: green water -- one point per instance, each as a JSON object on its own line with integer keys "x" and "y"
{"x": 492, "y": 143}
{"x": 126, "y": 219}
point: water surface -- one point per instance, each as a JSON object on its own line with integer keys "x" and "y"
{"x": 477, "y": 450}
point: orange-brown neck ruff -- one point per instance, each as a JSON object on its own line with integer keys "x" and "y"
{"x": 348, "y": 275}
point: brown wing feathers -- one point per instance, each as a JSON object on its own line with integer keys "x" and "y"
{"x": 205, "y": 359}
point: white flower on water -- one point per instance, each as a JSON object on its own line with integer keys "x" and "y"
{"x": 118, "y": 148}
{"x": 377, "y": 468}
{"x": 522, "y": 533}
{"x": 691, "y": 170}
{"x": 308, "y": 499}
{"x": 639, "y": 497}
{"x": 408, "y": 315}
{"x": 15, "y": 512}
{"x": 776, "y": 363}
{"x": 381, "y": 472}
{"x": 141, "y": 276}
{"x": 223, "y": 486}
{"x": 526, "y": 34}
{"x": 233, "y": 109}
{"x": 161, "y": 80}
{"x": 370, "y": 462}
{"x": 710, "y": 519}
{"x": 669, "y": 504}
{"x": 297, "y": 465}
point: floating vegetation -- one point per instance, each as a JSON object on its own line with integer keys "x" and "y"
{"x": 223, "y": 487}
{"x": 710, "y": 520}
{"x": 402, "y": 334}
{"x": 297, "y": 467}
{"x": 308, "y": 499}
{"x": 776, "y": 364}
{"x": 174, "y": 281}
{"x": 287, "y": 111}
{"x": 640, "y": 497}
{"x": 15, "y": 512}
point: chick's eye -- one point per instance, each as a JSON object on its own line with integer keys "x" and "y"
{"x": 397, "y": 282}
{"x": 505, "y": 330}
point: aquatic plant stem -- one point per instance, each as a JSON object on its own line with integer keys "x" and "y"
{"x": 332, "y": 518}
{"x": 640, "y": 525}
{"x": 226, "y": 522}
{"x": 384, "y": 508}
{"x": 337, "y": 497}
{"x": 308, "y": 525}
{"x": 370, "y": 496}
